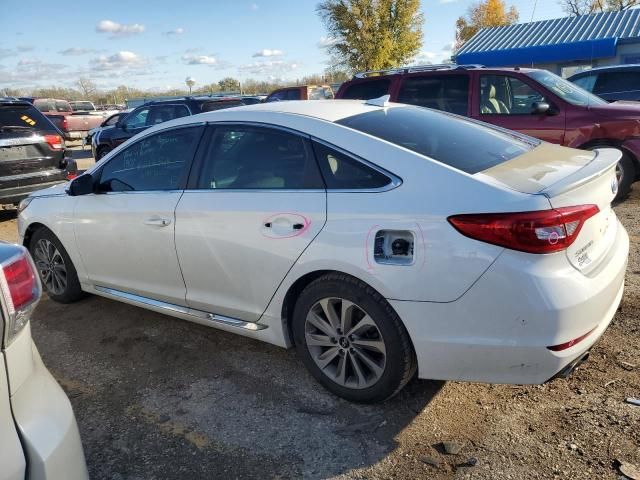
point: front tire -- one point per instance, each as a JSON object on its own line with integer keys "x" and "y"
{"x": 55, "y": 268}
{"x": 351, "y": 340}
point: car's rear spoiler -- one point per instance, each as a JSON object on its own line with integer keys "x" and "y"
{"x": 603, "y": 160}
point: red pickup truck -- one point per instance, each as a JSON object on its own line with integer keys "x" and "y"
{"x": 534, "y": 102}
{"x": 73, "y": 125}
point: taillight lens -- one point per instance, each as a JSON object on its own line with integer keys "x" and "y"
{"x": 71, "y": 175}
{"x": 65, "y": 124}
{"x": 21, "y": 291}
{"x": 55, "y": 142}
{"x": 544, "y": 231}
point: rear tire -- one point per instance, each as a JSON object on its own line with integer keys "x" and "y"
{"x": 55, "y": 268}
{"x": 351, "y": 339}
{"x": 626, "y": 175}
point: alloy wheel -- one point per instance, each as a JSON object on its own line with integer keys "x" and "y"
{"x": 51, "y": 267}
{"x": 345, "y": 343}
{"x": 619, "y": 173}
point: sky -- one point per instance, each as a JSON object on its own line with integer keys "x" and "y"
{"x": 156, "y": 44}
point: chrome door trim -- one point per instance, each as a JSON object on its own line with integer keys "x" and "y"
{"x": 171, "y": 308}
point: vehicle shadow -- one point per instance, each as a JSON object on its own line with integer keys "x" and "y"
{"x": 157, "y": 397}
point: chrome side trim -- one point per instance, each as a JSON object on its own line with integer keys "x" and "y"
{"x": 171, "y": 308}
{"x": 20, "y": 141}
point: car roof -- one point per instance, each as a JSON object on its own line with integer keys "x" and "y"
{"x": 324, "y": 110}
{"x": 608, "y": 68}
{"x": 432, "y": 70}
{"x": 11, "y": 101}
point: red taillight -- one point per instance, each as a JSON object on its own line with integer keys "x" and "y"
{"x": 71, "y": 176}
{"x": 65, "y": 124}
{"x": 570, "y": 343}
{"x": 21, "y": 281}
{"x": 54, "y": 141}
{"x": 544, "y": 231}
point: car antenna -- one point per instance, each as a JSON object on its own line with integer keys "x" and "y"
{"x": 382, "y": 101}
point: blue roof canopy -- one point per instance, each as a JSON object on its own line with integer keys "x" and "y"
{"x": 564, "y": 52}
{"x": 562, "y": 39}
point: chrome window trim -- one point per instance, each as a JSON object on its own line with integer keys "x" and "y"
{"x": 394, "y": 183}
{"x": 170, "y": 307}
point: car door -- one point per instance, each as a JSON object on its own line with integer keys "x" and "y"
{"x": 133, "y": 123}
{"x": 255, "y": 201}
{"x": 508, "y": 101}
{"x": 125, "y": 231}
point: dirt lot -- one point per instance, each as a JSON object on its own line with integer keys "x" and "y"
{"x": 159, "y": 398}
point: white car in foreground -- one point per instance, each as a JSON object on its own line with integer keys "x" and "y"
{"x": 39, "y": 437}
{"x": 379, "y": 239}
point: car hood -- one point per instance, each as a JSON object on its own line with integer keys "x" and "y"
{"x": 60, "y": 189}
{"x": 622, "y": 109}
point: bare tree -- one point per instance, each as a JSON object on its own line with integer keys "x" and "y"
{"x": 576, "y": 8}
{"x": 87, "y": 87}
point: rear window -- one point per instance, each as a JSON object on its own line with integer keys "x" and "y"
{"x": 463, "y": 144}
{"x": 213, "y": 106}
{"x": 49, "y": 105}
{"x": 367, "y": 90}
{"x": 24, "y": 116}
{"x": 82, "y": 106}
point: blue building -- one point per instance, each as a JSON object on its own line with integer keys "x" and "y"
{"x": 562, "y": 45}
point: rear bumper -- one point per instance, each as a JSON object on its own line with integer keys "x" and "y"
{"x": 15, "y": 194}
{"x": 499, "y": 330}
{"x": 47, "y": 427}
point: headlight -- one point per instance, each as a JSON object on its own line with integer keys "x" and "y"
{"x": 24, "y": 204}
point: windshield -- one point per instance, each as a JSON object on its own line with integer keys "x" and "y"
{"x": 460, "y": 143}
{"x": 566, "y": 90}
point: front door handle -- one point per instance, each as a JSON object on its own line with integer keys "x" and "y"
{"x": 157, "y": 222}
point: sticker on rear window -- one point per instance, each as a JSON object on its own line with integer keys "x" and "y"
{"x": 28, "y": 120}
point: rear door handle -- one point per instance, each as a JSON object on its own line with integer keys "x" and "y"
{"x": 157, "y": 222}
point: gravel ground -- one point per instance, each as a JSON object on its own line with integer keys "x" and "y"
{"x": 160, "y": 398}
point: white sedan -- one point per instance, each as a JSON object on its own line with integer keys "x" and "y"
{"x": 381, "y": 240}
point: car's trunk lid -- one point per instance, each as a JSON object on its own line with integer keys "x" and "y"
{"x": 25, "y": 156}
{"x": 568, "y": 178}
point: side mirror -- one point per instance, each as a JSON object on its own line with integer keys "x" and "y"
{"x": 540, "y": 108}
{"x": 83, "y": 185}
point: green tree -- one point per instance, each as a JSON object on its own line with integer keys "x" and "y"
{"x": 485, "y": 14}
{"x": 229, "y": 84}
{"x": 372, "y": 34}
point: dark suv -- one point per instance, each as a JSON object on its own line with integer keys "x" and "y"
{"x": 621, "y": 82}
{"x": 535, "y": 102}
{"x": 32, "y": 152}
{"x": 151, "y": 114}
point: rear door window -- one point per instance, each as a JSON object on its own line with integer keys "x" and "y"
{"x": 246, "y": 158}
{"x": 449, "y": 93}
{"x": 617, "y": 82}
{"x": 164, "y": 113}
{"x": 460, "y": 143}
{"x": 213, "y": 106}
{"x": 367, "y": 90}
{"x": 277, "y": 96}
{"x": 294, "y": 94}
